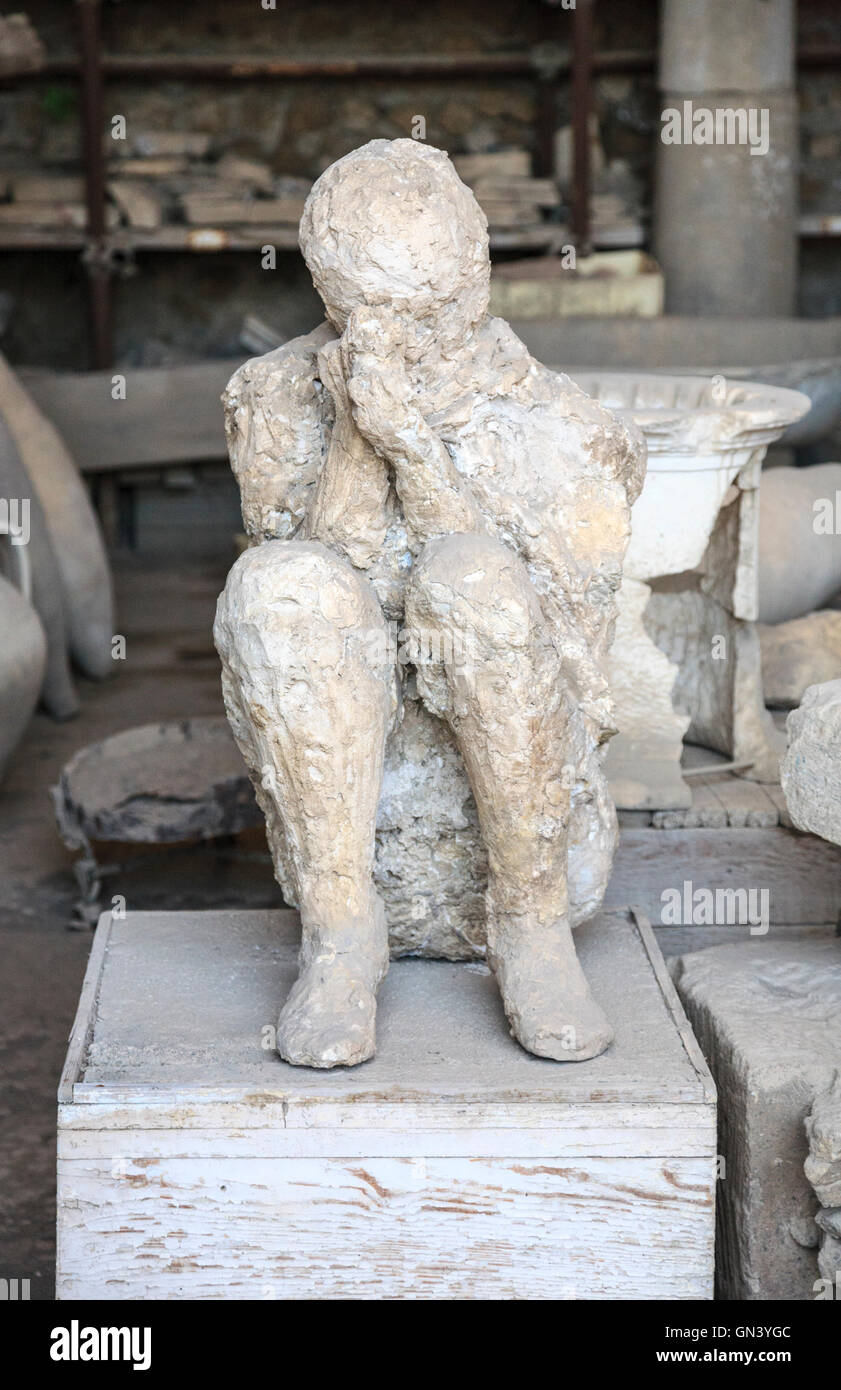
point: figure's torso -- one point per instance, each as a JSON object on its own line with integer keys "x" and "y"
{"x": 530, "y": 443}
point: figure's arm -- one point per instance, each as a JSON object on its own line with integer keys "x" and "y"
{"x": 277, "y": 424}
{"x": 274, "y": 422}
{"x": 564, "y": 605}
{"x": 436, "y": 500}
{"x": 575, "y": 546}
{"x": 347, "y": 511}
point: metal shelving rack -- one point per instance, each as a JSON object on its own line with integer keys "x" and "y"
{"x": 548, "y": 65}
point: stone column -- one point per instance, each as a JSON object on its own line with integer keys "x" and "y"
{"x": 725, "y": 219}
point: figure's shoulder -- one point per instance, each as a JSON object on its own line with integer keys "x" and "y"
{"x": 537, "y": 383}
{"x": 584, "y": 424}
{"x": 289, "y": 369}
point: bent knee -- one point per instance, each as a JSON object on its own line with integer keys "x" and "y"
{"x": 474, "y": 581}
{"x": 295, "y": 584}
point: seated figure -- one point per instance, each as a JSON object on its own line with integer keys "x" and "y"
{"x": 414, "y": 644}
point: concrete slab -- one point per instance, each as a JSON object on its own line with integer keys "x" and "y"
{"x": 185, "y": 997}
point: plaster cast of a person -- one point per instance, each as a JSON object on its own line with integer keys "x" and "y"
{"x": 409, "y": 463}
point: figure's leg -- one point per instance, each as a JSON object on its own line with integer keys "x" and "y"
{"x": 310, "y": 691}
{"x": 487, "y": 665}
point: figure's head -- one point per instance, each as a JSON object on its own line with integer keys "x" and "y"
{"x": 391, "y": 223}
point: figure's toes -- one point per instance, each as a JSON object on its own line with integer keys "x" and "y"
{"x": 323, "y": 1024}
{"x": 547, "y": 999}
{"x": 574, "y": 1033}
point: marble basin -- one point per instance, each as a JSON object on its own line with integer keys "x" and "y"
{"x": 794, "y": 353}
{"x": 701, "y": 432}
{"x": 685, "y": 659}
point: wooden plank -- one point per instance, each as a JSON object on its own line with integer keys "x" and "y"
{"x": 40, "y": 214}
{"x": 209, "y": 209}
{"x": 172, "y": 237}
{"x": 104, "y": 1107}
{"x": 673, "y": 1004}
{"x": 151, "y": 168}
{"x": 412, "y": 1227}
{"x": 218, "y": 1131}
{"x": 502, "y": 164}
{"x": 534, "y": 192}
{"x": 169, "y": 415}
{"x": 719, "y": 799}
{"x": 747, "y": 803}
{"x": 40, "y": 188}
{"x": 801, "y": 872}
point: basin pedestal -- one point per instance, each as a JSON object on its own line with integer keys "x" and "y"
{"x": 685, "y": 660}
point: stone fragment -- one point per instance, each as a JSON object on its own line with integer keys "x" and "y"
{"x": 141, "y": 206}
{"x": 85, "y": 591}
{"x": 823, "y": 1169}
{"x": 799, "y": 540}
{"x": 21, "y": 48}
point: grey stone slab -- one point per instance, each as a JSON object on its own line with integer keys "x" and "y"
{"x": 768, "y": 1017}
{"x": 184, "y": 998}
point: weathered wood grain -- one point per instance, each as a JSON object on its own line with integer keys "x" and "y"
{"x": 399, "y": 1228}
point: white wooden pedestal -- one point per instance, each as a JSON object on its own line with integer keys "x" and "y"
{"x": 193, "y": 1163}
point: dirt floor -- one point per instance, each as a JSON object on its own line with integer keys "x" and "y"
{"x": 170, "y": 672}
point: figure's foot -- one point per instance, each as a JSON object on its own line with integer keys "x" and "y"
{"x": 545, "y": 993}
{"x": 330, "y": 1016}
{"x": 328, "y": 1020}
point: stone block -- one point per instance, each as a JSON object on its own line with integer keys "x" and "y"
{"x": 766, "y": 1016}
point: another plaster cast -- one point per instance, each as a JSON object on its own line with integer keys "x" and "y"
{"x": 414, "y": 648}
